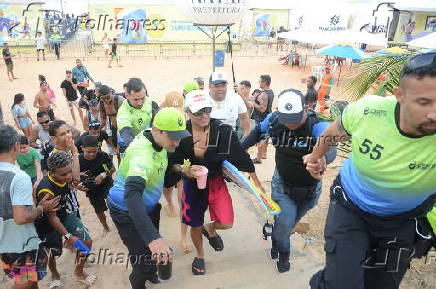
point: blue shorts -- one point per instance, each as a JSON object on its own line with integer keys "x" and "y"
{"x": 24, "y": 122}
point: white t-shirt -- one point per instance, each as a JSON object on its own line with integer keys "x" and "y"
{"x": 40, "y": 42}
{"x": 229, "y": 109}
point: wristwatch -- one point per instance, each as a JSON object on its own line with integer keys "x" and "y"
{"x": 67, "y": 236}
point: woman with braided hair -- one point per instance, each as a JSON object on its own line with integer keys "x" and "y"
{"x": 62, "y": 224}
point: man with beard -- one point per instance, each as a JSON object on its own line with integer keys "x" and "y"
{"x": 135, "y": 114}
{"x": 376, "y": 221}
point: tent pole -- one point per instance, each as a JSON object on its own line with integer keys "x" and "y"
{"x": 213, "y": 49}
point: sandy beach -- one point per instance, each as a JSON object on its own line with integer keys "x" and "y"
{"x": 243, "y": 264}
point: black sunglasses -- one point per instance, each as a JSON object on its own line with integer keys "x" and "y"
{"x": 94, "y": 126}
{"x": 420, "y": 61}
{"x": 44, "y": 122}
{"x": 203, "y": 110}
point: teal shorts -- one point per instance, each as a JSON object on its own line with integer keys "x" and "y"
{"x": 74, "y": 226}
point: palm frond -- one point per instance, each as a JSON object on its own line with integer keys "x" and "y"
{"x": 358, "y": 83}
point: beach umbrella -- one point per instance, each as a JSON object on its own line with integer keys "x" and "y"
{"x": 427, "y": 50}
{"x": 390, "y": 51}
{"x": 342, "y": 50}
{"x": 427, "y": 41}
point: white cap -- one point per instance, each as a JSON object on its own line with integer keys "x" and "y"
{"x": 290, "y": 106}
{"x": 197, "y": 99}
{"x": 218, "y": 77}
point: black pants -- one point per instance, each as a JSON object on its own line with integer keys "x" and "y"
{"x": 139, "y": 254}
{"x": 364, "y": 251}
{"x": 57, "y": 49}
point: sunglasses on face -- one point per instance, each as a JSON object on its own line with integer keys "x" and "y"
{"x": 44, "y": 122}
{"x": 203, "y": 110}
{"x": 420, "y": 61}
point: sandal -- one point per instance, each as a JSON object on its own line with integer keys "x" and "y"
{"x": 55, "y": 284}
{"x": 215, "y": 242}
{"x": 198, "y": 267}
{"x": 89, "y": 280}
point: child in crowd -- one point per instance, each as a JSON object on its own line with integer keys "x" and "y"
{"x": 29, "y": 161}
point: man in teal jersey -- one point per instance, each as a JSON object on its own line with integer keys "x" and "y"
{"x": 376, "y": 221}
{"x": 135, "y": 114}
{"x": 134, "y": 199}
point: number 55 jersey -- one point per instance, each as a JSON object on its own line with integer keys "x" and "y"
{"x": 389, "y": 172}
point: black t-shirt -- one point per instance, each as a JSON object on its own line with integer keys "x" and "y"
{"x": 69, "y": 90}
{"x": 311, "y": 95}
{"x": 223, "y": 145}
{"x": 48, "y": 185}
{"x": 90, "y": 94}
{"x": 102, "y": 137}
{"x": 257, "y": 115}
{"x": 102, "y": 163}
{"x": 7, "y": 53}
{"x": 272, "y": 34}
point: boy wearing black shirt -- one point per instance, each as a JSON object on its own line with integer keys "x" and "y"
{"x": 61, "y": 224}
{"x": 96, "y": 169}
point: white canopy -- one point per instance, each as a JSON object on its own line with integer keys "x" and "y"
{"x": 427, "y": 41}
{"x": 347, "y": 36}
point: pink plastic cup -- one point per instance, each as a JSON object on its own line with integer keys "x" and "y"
{"x": 201, "y": 176}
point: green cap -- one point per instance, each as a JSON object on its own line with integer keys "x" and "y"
{"x": 171, "y": 120}
{"x": 190, "y": 86}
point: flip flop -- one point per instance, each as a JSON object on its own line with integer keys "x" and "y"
{"x": 89, "y": 280}
{"x": 197, "y": 265}
{"x": 55, "y": 284}
{"x": 215, "y": 242}
{"x": 186, "y": 247}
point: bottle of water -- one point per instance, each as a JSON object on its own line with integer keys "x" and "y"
{"x": 80, "y": 246}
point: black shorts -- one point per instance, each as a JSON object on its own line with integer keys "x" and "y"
{"x": 98, "y": 200}
{"x": 51, "y": 115}
{"x": 37, "y": 50}
{"x": 10, "y": 66}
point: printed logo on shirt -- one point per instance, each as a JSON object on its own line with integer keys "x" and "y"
{"x": 180, "y": 122}
{"x": 413, "y": 165}
{"x": 140, "y": 121}
{"x": 376, "y": 112}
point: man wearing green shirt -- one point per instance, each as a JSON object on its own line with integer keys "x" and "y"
{"x": 135, "y": 114}
{"x": 378, "y": 203}
{"x": 133, "y": 200}
{"x": 55, "y": 39}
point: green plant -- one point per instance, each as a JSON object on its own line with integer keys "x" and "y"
{"x": 368, "y": 71}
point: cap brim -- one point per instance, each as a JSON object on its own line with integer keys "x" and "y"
{"x": 179, "y": 134}
{"x": 219, "y": 81}
{"x": 290, "y": 118}
{"x": 196, "y": 108}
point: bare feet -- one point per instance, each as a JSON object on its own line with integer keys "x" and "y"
{"x": 170, "y": 210}
{"x": 88, "y": 280}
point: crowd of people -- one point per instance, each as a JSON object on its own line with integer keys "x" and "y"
{"x": 374, "y": 210}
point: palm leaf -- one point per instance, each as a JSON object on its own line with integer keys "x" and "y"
{"x": 358, "y": 83}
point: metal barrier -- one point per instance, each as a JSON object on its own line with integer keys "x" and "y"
{"x": 83, "y": 46}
